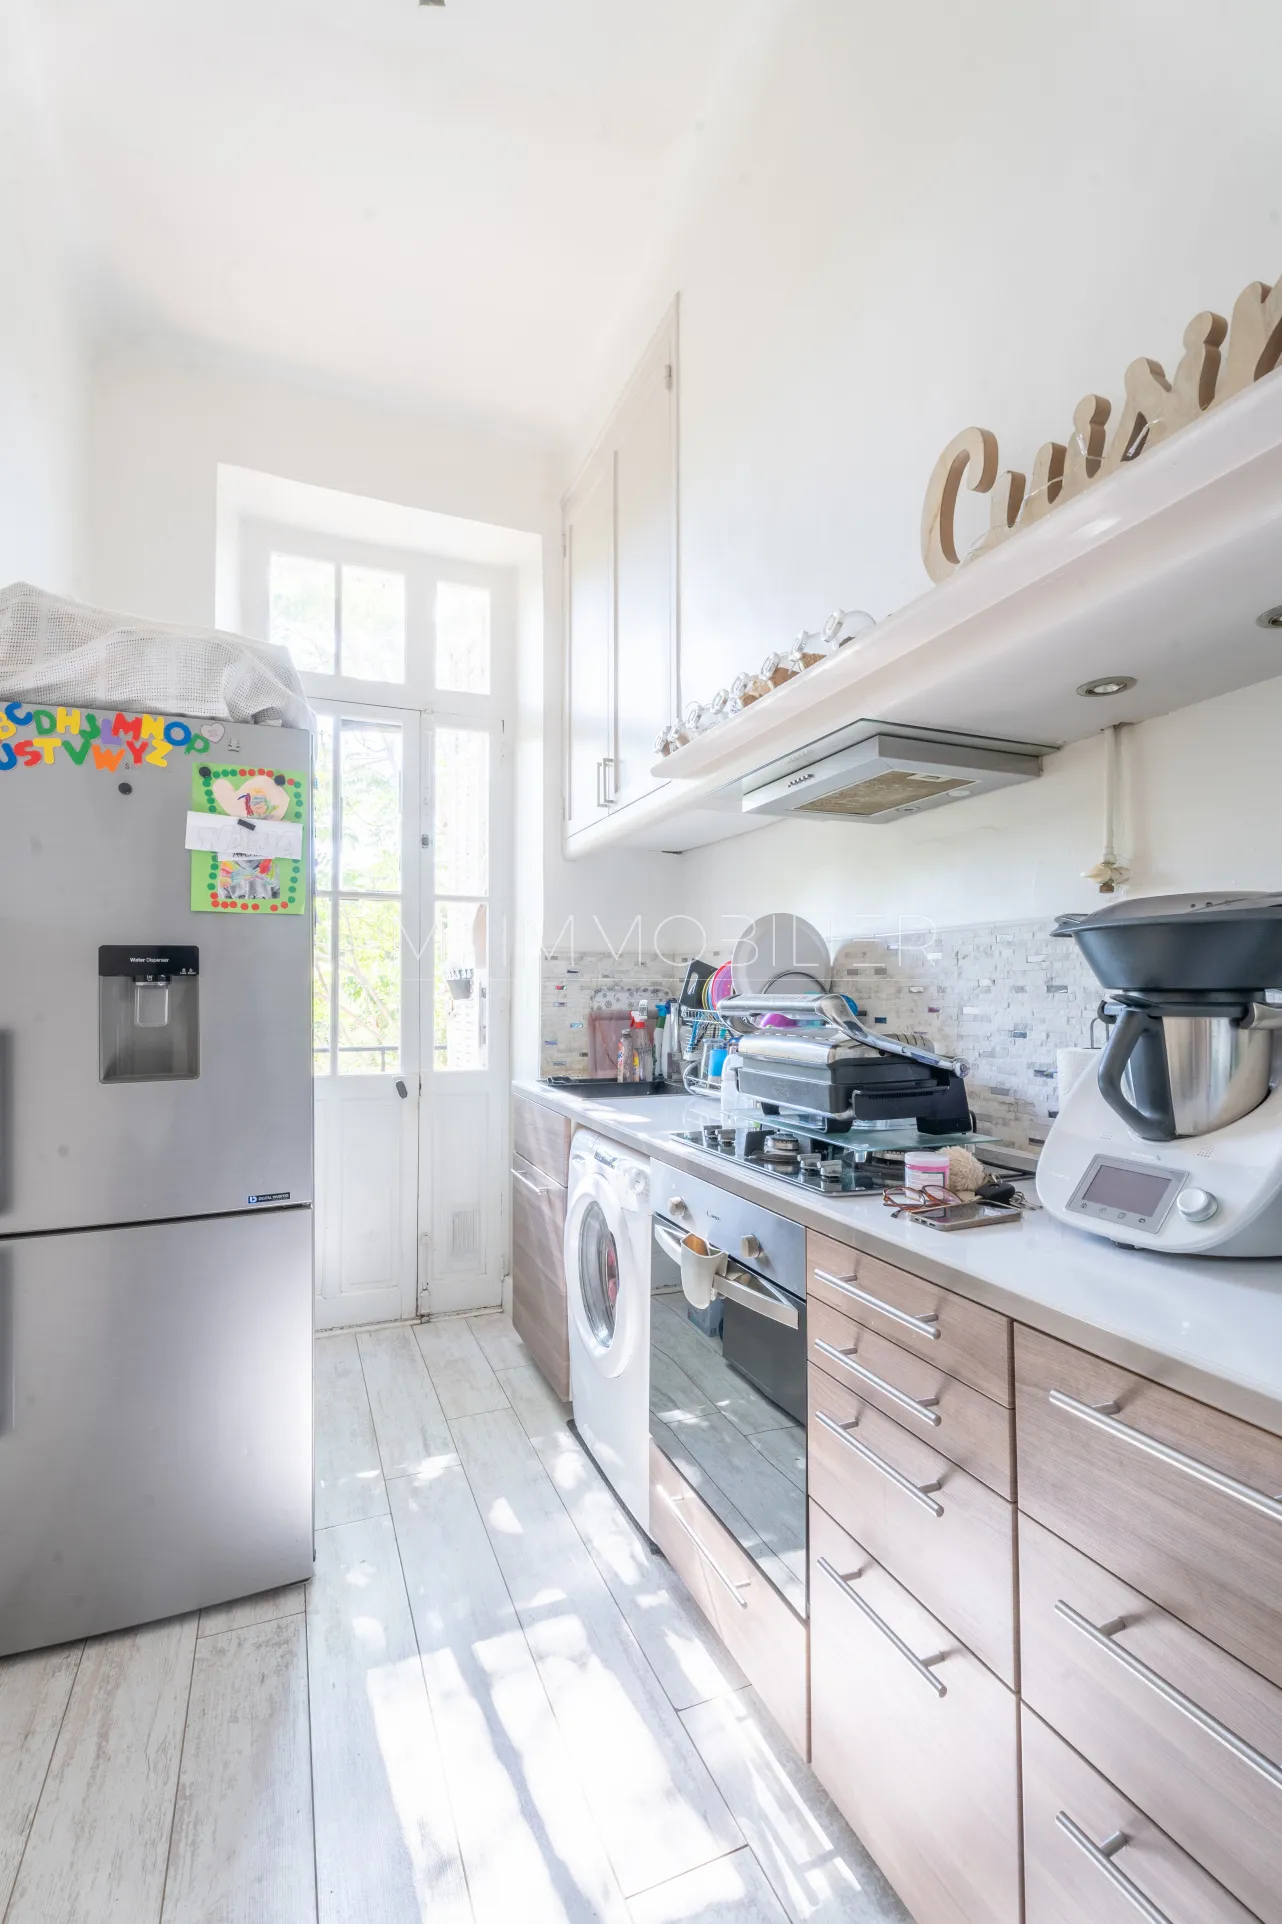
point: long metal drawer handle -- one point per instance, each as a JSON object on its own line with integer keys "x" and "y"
{"x": 731, "y": 1585}
{"x": 923, "y": 1325}
{"x": 924, "y": 1409}
{"x": 1102, "y": 1855}
{"x": 1102, "y": 1636}
{"x": 920, "y": 1492}
{"x": 518, "y": 1177}
{"x": 1103, "y": 1417}
{"x": 920, "y": 1664}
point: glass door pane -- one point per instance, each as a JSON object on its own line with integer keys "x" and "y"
{"x": 461, "y": 875}
{"x": 359, "y": 896}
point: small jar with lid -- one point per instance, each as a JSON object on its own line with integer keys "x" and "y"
{"x": 776, "y": 671}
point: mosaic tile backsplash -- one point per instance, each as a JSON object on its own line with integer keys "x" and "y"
{"x": 1004, "y": 996}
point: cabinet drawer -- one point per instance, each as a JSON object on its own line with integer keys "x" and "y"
{"x": 915, "y": 1740}
{"x": 1171, "y": 1496}
{"x": 956, "y": 1420}
{"x": 1069, "y": 1812}
{"x": 542, "y": 1137}
{"x": 752, "y": 1619}
{"x": 538, "y": 1272}
{"x": 933, "y": 1525}
{"x": 955, "y": 1335}
{"x": 1192, "y": 1735}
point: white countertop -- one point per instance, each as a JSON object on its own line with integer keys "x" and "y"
{"x": 1212, "y": 1329}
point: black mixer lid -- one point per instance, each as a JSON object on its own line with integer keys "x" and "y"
{"x": 1242, "y": 905}
{"x": 1205, "y": 943}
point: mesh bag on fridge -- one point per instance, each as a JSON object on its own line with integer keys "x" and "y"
{"x": 55, "y": 650}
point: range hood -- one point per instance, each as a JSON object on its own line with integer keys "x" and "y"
{"x": 869, "y": 772}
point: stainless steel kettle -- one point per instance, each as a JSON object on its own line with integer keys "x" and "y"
{"x": 1184, "y": 1067}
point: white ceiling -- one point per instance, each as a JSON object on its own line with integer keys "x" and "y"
{"x": 458, "y": 206}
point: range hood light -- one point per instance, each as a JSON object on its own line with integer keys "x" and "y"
{"x": 1107, "y": 685}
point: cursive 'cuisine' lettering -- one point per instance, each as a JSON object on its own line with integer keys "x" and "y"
{"x": 1152, "y": 409}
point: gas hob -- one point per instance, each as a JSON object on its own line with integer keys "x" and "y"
{"x": 825, "y": 1164}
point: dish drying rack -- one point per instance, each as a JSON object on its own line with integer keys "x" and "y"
{"x": 737, "y": 1015}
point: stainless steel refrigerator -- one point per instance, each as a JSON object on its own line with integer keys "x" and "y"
{"x": 155, "y": 1178}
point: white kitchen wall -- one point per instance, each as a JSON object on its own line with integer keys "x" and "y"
{"x": 40, "y": 358}
{"x": 160, "y": 424}
{"x": 931, "y": 216}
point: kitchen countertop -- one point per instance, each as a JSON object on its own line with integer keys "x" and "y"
{"x": 1211, "y": 1329}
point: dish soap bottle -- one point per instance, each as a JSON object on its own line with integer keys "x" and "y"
{"x": 636, "y": 1060}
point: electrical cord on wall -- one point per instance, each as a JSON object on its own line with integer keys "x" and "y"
{"x": 1108, "y": 872}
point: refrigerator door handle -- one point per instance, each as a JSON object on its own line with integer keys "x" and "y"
{"x": 8, "y": 1396}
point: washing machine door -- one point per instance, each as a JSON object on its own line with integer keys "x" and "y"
{"x": 602, "y": 1274}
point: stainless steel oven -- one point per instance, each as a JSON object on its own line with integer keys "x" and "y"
{"x": 728, "y": 1383}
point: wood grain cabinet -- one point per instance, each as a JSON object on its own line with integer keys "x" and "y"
{"x": 541, "y": 1136}
{"x": 755, "y": 1624}
{"x": 959, "y": 1422}
{"x": 949, "y": 1332}
{"x": 1177, "y": 1499}
{"x": 914, "y": 1738}
{"x": 1092, "y": 1857}
{"x": 1188, "y": 1733}
{"x": 538, "y": 1271}
{"x": 933, "y": 1525}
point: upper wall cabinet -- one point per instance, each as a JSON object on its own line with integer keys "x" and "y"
{"x": 620, "y": 539}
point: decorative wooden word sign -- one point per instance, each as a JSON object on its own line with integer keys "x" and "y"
{"x": 1153, "y": 408}
{"x": 128, "y": 739}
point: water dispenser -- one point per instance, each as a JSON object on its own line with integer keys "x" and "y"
{"x": 148, "y": 1014}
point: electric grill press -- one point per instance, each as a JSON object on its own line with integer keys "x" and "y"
{"x": 844, "y": 1072}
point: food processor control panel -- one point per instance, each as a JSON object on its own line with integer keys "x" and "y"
{"x": 1135, "y": 1194}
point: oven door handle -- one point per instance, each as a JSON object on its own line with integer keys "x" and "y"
{"x": 754, "y": 1293}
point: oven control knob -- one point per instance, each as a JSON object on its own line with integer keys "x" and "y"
{"x": 1196, "y": 1205}
{"x": 749, "y": 1247}
{"x": 678, "y": 1208}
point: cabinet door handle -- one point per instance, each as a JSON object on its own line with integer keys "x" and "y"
{"x": 1102, "y": 1855}
{"x": 927, "y": 1326}
{"x": 527, "y": 1184}
{"x": 919, "y": 1492}
{"x": 730, "y": 1583}
{"x": 609, "y": 797}
{"x": 1102, "y": 1636}
{"x": 920, "y": 1664}
{"x": 925, "y": 1409}
{"x": 1103, "y": 1417}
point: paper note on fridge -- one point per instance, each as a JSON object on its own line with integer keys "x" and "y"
{"x": 228, "y": 835}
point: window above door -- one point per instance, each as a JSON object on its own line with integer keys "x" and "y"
{"x": 378, "y": 624}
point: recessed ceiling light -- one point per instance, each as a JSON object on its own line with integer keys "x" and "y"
{"x": 1107, "y": 685}
{"x": 1271, "y": 618}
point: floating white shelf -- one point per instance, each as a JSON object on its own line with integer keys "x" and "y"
{"x": 1160, "y": 572}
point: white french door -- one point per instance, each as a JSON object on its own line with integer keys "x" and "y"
{"x": 407, "y": 659}
{"x": 464, "y": 1011}
{"x": 366, "y": 1013}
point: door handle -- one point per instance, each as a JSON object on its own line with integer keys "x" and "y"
{"x": 605, "y": 782}
{"x": 733, "y": 1584}
{"x": 1102, "y": 1855}
{"x": 923, "y": 1493}
{"x": 757, "y": 1297}
{"x": 1103, "y": 1636}
{"x": 927, "y": 1326}
{"x": 920, "y": 1664}
{"x": 1104, "y": 1417}
{"x": 401, "y": 1090}
{"x": 923, "y": 1407}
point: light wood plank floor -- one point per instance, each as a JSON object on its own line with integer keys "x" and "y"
{"x": 492, "y": 1704}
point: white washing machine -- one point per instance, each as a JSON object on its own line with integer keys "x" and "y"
{"x": 607, "y": 1286}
